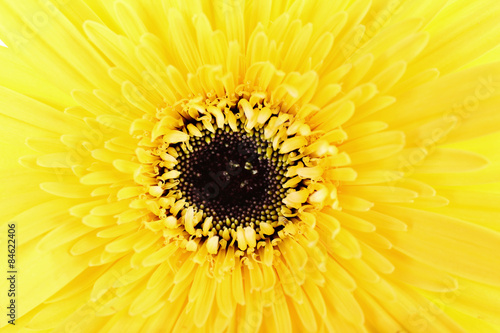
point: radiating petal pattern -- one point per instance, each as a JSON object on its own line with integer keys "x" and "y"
{"x": 251, "y": 166}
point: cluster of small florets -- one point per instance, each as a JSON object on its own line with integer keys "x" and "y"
{"x": 234, "y": 177}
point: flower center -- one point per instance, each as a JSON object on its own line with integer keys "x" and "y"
{"x": 235, "y": 177}
{"x": 231, "y": 172}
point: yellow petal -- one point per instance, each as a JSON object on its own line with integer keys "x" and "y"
{"x": 434, "y": 239}
{"x": 450, "y": 160}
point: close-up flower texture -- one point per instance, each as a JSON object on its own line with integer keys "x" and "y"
{"x": 250, "y": 166}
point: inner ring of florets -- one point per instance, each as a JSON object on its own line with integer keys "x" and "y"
{"x": 232, "y": 172}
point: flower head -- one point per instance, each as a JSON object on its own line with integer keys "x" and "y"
{"x": 253, "y": 166}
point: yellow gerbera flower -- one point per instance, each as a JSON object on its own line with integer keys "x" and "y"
{"x": 250, "y": 166}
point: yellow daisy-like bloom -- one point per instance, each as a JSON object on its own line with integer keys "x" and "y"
{"x": 251, "y": 166}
